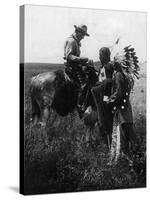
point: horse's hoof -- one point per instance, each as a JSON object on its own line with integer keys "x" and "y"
{"x": 42, "y": 124}
{"x": 109, "y": 163}
{"x": 31, "y": 119}
{"x": 47, "y": 146}
{"x": 87, "y": 144}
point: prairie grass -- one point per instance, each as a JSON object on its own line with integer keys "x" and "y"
{"x": 59, "y": 159}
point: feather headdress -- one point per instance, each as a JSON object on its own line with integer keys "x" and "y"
{"x": 128, "y": 61}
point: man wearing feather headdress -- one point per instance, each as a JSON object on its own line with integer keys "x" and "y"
{"x": 126, "y": 68}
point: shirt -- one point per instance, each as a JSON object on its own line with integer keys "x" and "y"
{"x": 102, "y": 75}
{"x": 72, "y": 49}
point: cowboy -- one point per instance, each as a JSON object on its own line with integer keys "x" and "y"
{"x": 74, "y": 62}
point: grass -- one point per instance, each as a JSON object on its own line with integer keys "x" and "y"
{"x": 59, "y": 159}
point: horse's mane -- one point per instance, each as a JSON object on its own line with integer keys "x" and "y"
{"x": 67, "y": 92}
{"x": 61, "y": 78}
{"x": 65, "y": 96}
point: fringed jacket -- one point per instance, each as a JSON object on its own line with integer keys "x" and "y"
{"x": 120, "y": 98}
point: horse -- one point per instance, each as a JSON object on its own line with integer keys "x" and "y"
{"x": 56, "y": 90}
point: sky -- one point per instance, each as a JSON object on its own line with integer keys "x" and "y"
{"x": 47, "y": 28}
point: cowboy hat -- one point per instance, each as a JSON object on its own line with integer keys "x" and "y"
{"x": 82, "y": 28}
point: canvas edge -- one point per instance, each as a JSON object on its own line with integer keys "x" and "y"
{"x": 21, "y": 95}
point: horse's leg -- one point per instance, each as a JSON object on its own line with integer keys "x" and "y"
{"x": 87, "y": 137}
{"x": 35, "y": 120}
{"x": 72, "y": 119}
{"x": 52, "y": 117}
{"x": 108, "y": 141}
{"x": 45, "y": 116}
{"x": 45, "y": 109}
{"x": 35, "y": 111}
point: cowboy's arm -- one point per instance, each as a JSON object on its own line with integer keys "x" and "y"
{"x": 70, "y": 53}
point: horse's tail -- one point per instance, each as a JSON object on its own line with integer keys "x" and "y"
{"x": 36, "y": 112}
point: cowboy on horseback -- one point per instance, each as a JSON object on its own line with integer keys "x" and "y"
{"x": 74, "y": 63}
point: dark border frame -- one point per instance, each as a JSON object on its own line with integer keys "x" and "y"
{"x": 21, "y": 102}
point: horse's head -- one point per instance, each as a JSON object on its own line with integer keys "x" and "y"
{"x": 92, "y": 75}
{"x": 92, "y": 78}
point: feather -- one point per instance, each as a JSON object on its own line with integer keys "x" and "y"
{"x": 132, "y": 49}
{"x": 126, "y": 48}
{"x": 133, "y": 53}
{"x": 117, "y": 41}
{"x": 128, "y": 61}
